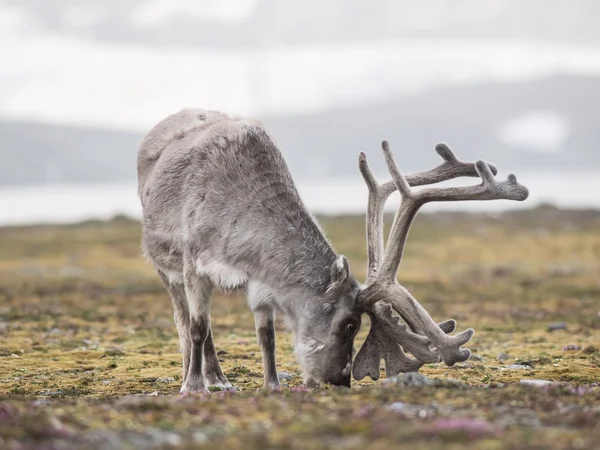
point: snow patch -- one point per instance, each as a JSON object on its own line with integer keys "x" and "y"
{"x": 539, "y": 131}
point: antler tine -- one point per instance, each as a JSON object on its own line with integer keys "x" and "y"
{"x": 376, "y": 346}
{"x": 489, "y": 189}
{"x": 399, "y": 333}
{"x": 382, "y": 342}
{"x": 378, "y": 194}
{"x": 451, "y": 168}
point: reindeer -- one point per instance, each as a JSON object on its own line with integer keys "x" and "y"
{"x": 220, "y": 210}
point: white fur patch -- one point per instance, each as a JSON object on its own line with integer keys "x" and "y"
{"x": 347, "y": 369}
{"x": 174, "y": 276}
{"x": 308, "y": 348}
{"x": 258, "y": 295}
{"x": 222, "y": 275}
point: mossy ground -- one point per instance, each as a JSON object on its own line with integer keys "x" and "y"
{"x": 89, "y": 352}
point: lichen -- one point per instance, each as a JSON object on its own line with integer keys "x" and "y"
{"x": 89, "y": 354}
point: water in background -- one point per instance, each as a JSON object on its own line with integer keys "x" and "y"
{"x": 69, "y": 203}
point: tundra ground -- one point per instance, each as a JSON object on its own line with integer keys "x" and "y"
{"x": 89, "y": 353}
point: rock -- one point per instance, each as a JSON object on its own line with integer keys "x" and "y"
{"x": 518, "y": 367}
{"x": 410, "y": 379}
{"x": 200, "y": 437}
{"x": 475, "y": 357}
{"x": 165, "y": 380}
{"x": 536, "y": 383}
{"x": 571, "y": 347}
{"x": 503, "y": 356}
{"x": 557, "y": 326}
{"x": 415, "y": 379}
{"x": 153, "y": 394}
{"x": 285, "y": 376}
{"x": 397, "y": 407}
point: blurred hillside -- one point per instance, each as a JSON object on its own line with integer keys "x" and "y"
{"x": 548, "y": 123}
{"x": 513, "y": 82}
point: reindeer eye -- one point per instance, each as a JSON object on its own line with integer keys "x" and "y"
{"x": 351, "y": 328}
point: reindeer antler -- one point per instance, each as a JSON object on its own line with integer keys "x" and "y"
{"x": 383, "y": 341}
{"x": 451, "y": 168}
{"x": 381, "y": 280}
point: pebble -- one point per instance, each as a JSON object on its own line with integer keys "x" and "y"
{"x": 200, "y": 437}
{"x": 536, "y": 383}
{"x": 557, "y": 326}
{"x": 518, "y": 367}
{"x": 475, "y": 357}
{"x": 285, "y": 376}
{"x": 410, "y": 379}
{"x": 397, "y": 407}
{"x": 415, "y": 379}
{"x": 503, "y": 356}
{"x": 166, "y": 380}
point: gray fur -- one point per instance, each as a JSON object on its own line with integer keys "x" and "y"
{"x": 220, "y": 209}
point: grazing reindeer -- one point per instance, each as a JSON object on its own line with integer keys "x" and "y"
{"x": 220, "y": 209}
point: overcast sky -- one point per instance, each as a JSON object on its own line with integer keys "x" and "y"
{"x": 49, "y": 72}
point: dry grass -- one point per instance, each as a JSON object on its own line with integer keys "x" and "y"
{"x": 85, "y": 326}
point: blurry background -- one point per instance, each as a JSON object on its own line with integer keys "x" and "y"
{"x": 515, "y": 82}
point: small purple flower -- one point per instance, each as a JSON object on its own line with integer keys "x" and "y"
{"x": 300, "y": 389}
{"x": 8, "y": 413}
{"x": 473, "y": 428}
{"x": 364, "y": 412}
{"x": 581, "y": 390}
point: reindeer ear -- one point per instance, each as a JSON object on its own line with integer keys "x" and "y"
{"x": 340, "y": 272}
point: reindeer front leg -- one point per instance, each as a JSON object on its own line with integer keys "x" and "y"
{"x": 261, "y": 303}
{"x": 213, "y": 374}
{"x": 264, "y": 320}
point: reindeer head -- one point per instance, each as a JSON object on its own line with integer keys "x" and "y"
{"x": 386, "y": 302}
{"x": 327, "y": 327}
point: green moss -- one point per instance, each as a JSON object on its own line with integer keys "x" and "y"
{"x": 86, "y": 333}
